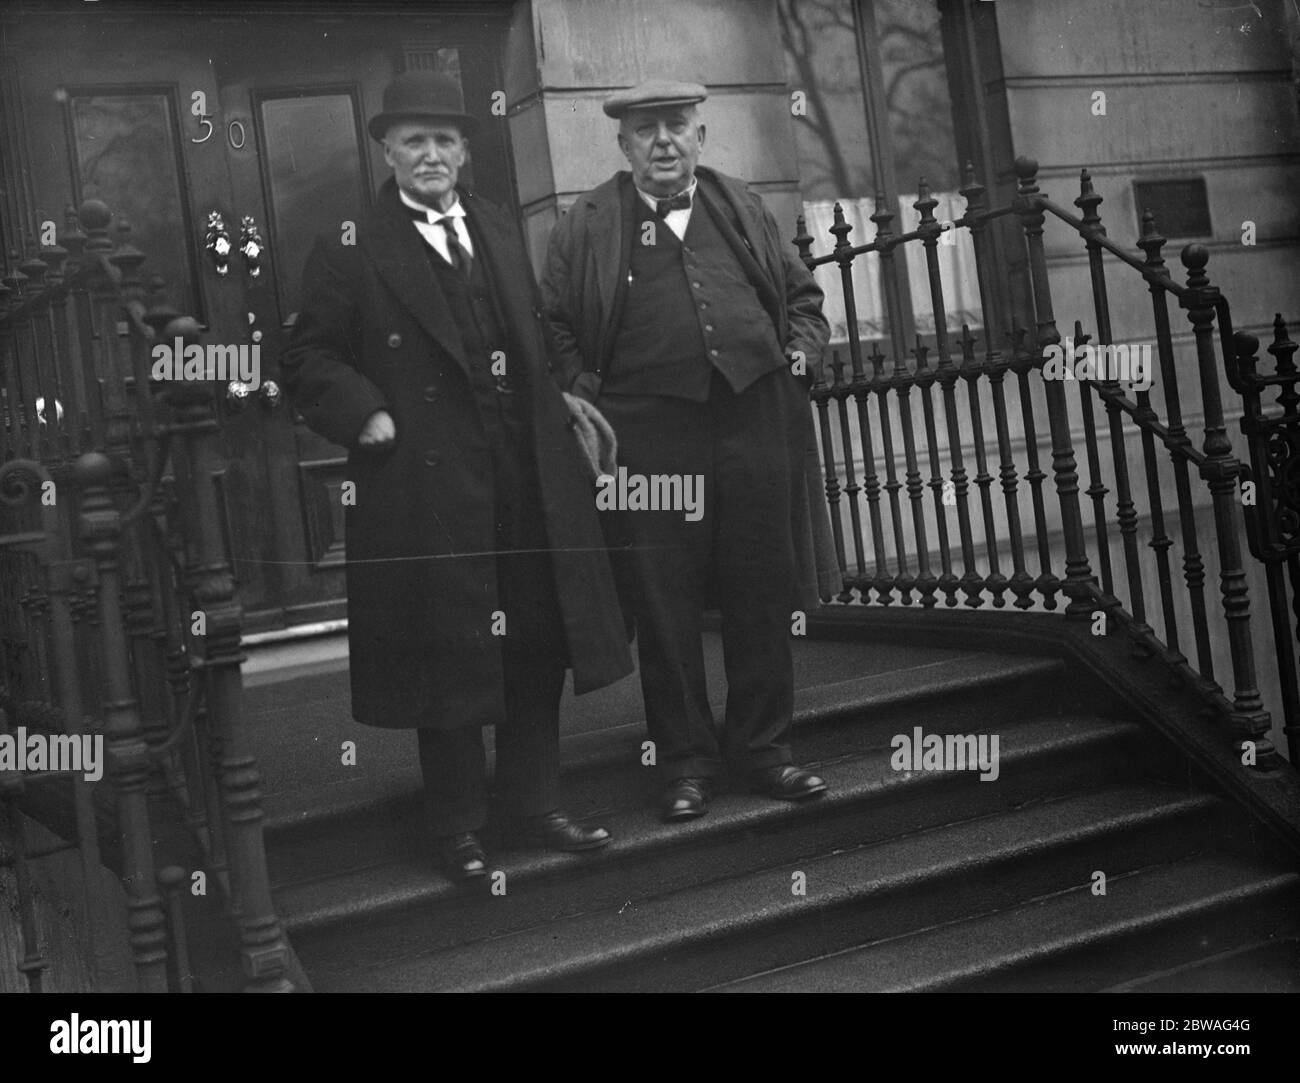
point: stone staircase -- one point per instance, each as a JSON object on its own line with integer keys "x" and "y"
{"x": 924, "y": 880}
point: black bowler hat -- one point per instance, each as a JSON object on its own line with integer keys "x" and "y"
{"x": 422, "y": 95}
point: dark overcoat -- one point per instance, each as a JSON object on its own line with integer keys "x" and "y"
{"x": 589, "y": 255}
{"x": 376, "y": 333}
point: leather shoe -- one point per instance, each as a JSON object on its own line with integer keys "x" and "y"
{"x": 555, "y": 831}
{"x": 462, "y": 856}
{"x": 685, "y": 799}
{"x": 786, "y": 782}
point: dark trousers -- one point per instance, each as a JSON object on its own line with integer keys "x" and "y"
{"x": 453, "y": 762}
{"x": 740, "y": 552}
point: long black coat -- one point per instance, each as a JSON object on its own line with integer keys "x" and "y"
{"x": 376, "y": 333}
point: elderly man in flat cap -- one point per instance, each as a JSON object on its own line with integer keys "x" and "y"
{"x": 475, "y": 570}
{"x": 678, "y": 310}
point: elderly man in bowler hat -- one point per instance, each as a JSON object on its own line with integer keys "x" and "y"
{"x": 475, "y": 572}
{"x": 677, "y": 309}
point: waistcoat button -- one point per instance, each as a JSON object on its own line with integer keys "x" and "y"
{"x": 394, "y": 340}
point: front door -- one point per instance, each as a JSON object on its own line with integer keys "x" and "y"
{"x": 254, "y": 125}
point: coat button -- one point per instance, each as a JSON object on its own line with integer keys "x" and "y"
{"x": 430, "y": 458}
{"x": 394, "y": 340}
{"x": 430, "y": 394}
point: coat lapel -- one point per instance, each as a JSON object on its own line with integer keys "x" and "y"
{"x": 397, "y": 250}
{"x": 608, "y": 244}
{"x": 506, "y": 262}
{"x": 748, "y": 243}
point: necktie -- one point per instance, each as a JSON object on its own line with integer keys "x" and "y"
{"x": 459, "y": 258}
{"x": 680, "y": 202}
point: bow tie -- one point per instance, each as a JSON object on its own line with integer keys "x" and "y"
{"x": 680, "y": 202}
{"x": 420, "y": 214}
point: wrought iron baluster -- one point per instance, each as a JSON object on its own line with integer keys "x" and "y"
{"x": 841, "y": 391}
{"x": 948, "y": 375}
{"x": 1096, "y": 490}
{"x": 187, "y": 526}
{"x": 1078, "y": 570}
{"x": 995, "y": 582}
{"x": 1177, "y": 440}
{"x": 1126, "y": 511}
{"x": 262, "y": 944}
{"x": 861, "y": 386}
{"x": 1021, "y": 583}
{"x": 1160, "y": 542}
{"x": 1046, "y": 583}
{"x": 842, "y": 251}
{"x": 996, "y": 365}
{"x": 821, "y": 396}
{"x": 926, "y": 377}
{"x": 924, "y": 581}
{"x": 902, "y": 579}
{"x": 128, "y": 754}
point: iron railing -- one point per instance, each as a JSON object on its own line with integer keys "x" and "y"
{"x": 926, "y": 417}
{"x": 110, "y": 546}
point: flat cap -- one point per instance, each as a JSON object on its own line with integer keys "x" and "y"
{"x": 653, "y": 95}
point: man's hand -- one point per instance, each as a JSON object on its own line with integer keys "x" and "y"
{"x": 378, "y": 431}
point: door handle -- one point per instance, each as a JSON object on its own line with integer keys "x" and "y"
{"x": 250, "y": 244}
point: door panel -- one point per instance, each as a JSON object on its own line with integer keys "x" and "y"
{"x": 128, "y": 155}
{"x": 314, "y": 174}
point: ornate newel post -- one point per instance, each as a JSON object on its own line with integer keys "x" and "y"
{"x": 129, "y": 760}
{"x": 1222, "y": 472}
{"x": 262, "y": 945}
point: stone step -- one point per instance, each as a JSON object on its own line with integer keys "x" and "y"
{"x": 1072, "y": 941}
{"x": 699, "y": 935}
{"x": 603, "y": 771}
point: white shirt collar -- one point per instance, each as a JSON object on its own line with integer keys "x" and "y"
{"x": 456, "y": 210}
{"x": 653, "y": 201}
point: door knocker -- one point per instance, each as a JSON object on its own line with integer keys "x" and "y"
{"x": 218, "y": 242}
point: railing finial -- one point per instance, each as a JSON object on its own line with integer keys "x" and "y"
{"x": 1027, "y": 171}
{"x": 1194, "y": 257}
{"x": 803, "y": 241}
{"x": 1088, "y": 201}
